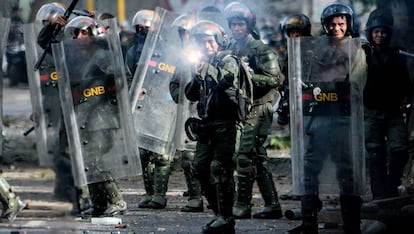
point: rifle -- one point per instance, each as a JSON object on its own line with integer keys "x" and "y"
{"x": 57, "y": 29}
{"x": 406, "y": 53}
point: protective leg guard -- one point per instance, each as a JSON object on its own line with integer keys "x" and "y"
{"x": 117, "y": 204}
{"x": 351, "y": 213}
{"x": 272, "y": 208}
{"x": 195, "y": 201}
{"x": 12, "y": 204}
{"x": 244, "y": 178}
{"x": 148, "y": 177}
{"x": 161, "y": 177}
{"x": 242, "y": 205}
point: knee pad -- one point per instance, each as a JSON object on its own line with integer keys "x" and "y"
{"x": 187, "y": 158}
{"x": 216, "y": 168}
{"x": 162, "y": 160}
{"x": 244, "y": 165}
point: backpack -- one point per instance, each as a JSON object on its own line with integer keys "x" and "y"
{"x": 244, "y": 94}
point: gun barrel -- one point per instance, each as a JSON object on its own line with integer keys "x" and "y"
{"x": 408, "y": 54}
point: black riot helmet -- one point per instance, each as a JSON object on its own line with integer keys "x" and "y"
{"x": 296, "y": 21}
{"x": 209, "y": 28}
{"x": 338, "y": 9}
{"x": 240, "y": 11}
{"x": 380, "y": 18}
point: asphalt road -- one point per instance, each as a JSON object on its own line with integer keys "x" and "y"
{"x": 46, "y": 215}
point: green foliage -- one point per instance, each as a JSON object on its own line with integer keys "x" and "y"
{"x": 279, "y": 142}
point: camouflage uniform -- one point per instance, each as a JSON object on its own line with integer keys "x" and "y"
{"x": 218, "y": 131}
{"x": 252, "y": 156}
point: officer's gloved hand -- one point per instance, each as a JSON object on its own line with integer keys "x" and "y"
{"x": 283, "y": 113}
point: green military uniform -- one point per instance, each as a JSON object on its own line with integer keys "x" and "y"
{"x": 156, "y": 170}
{"x": 220, "y": 132}
{"x": 252, "y": 156}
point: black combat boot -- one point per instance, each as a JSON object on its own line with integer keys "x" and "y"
{"x": 351, "y": 213}
{"x": 242, "y": 206}
{"x": 310, "y": 205}
{"x": 272, "y": 208}
{"x": 224, "y": 190}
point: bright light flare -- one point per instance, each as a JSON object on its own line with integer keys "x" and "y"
{"x": 193, "y": 56}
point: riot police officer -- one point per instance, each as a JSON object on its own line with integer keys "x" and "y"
{"x": 294, "y": 25}
{"x": 156, "y": 167}
{"x": 183, "y": 24}
{"x": 385, "y": 127}
{"x": 51, "y": 16}
{"x": 331, "y": 130}
{"x": 107, "y": 199}
{"x": 141, "y": 22}
{"x": 218, "y": 130}
{"x": 252, "y": 156}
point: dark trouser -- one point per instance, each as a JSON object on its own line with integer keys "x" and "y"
{"x": 193, "y": 185}
{"x": 385, "y": 134}
{"x": 213, "y": 166}
{"x": 330, "y": 139}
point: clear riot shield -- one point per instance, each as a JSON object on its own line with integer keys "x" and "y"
{"x": 44, "y": 97}
{"x": 325, "y": 84}
{"x": 96, "y": 109}
{"x": 5, "y": 22}
{"x": 153, "y": 108}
